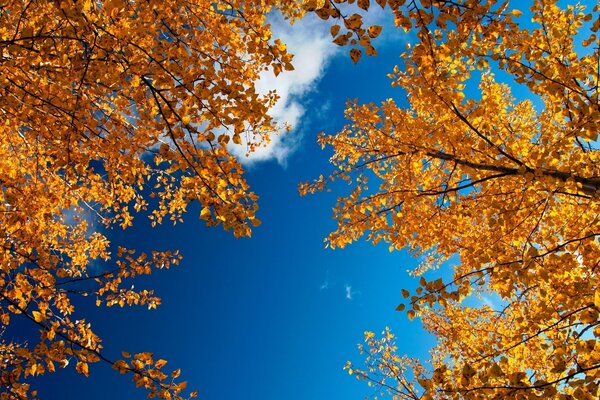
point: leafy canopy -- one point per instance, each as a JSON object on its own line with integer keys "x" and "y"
{"x": 509, "y": 185}
{"x": 111, "y": 108}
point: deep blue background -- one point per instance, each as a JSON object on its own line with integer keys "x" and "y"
{"x": 250, "y": 318}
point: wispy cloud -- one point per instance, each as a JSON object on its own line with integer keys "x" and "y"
{"x": 325, "y": 284}
{"x": 310, "y": 42}
{"x": 488, "y": 301}
{"x": 349, "y": 292}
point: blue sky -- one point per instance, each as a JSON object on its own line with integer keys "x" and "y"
{"x": 277, "y": 315}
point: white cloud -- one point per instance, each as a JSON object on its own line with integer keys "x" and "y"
{"x": 486, "y": 300}
{"x": 310, "y": 42}
{"x": 349, "y": 292}
{"x": 325, "y": 284}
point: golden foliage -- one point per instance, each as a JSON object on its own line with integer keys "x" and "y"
{"x": 354, "y": 32}
{"x": 510, "y": 186}
{"x": 110, "y": 108}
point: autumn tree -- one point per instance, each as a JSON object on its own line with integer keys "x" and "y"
{"x": 457, "y": 165}
{"x": 109, "y": 109}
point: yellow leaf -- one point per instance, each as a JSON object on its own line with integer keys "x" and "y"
{"x": 121, "y": 366}
{"x": 205, "y": 213}
{"x": 353, "y": 22}
{"x": 355, "y": 55}
{"x": 370, "y": 50}
{"x": 364, "y": 4}
{"x": 311, "y": 5}
{"x": 145, "y": 356}
{"x": 334, "y": 30}
{"x": 255, "y": 222}
{"x": 374, "y": 31}
{"x": 38, "y": 316}
{"x": 341, "y": 40}
{"x": 82, "y": 368}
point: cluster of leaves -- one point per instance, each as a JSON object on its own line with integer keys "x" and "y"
{"x": 110, "y": 108}
{"x": 510, "y": 186}
{"x": 351, "y": 29}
